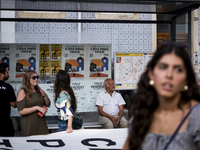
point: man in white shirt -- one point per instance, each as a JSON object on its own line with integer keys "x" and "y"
{"x": 110, "y": 107}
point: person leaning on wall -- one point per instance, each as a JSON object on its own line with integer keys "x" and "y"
{"x": 31, "y": 103}
{"x": 167, "y": 93}
{"x": 7, "y": 98}
{"x": 110, "y": 107}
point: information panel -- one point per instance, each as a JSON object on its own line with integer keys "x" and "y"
{"x": 128, "y": 68}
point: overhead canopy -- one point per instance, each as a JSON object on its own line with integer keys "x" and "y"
{"x": 165, "y": 9}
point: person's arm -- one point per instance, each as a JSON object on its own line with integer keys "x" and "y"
{"x": 69, "y": 125}
{"x": 126, "y": 144}
{"x": 12, "y": 97}
{"x": 102, "y": 113}
{"x": 26, "y": 111}
{"x": 46, "y": 98}
{"x": 13, "y": 104}
{"x": 121, "y": 112}
{"x": 198, "y": 144}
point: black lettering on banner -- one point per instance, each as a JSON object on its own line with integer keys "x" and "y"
{"x": 6, "y": 143}
{"x": 102, "y": 149}
{"x": 44, "y": 142}
{"x": 86, "y": 142}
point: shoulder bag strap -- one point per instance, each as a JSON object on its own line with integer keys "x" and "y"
{"x": 176, "y": 131}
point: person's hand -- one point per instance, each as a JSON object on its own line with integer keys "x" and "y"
{"x": 69, "y": 129}
{"x": 42, "y": 110}
{"x": 114, "y": 121}
{"x": 43, "y": 92}
{"x": 117, "y": 120}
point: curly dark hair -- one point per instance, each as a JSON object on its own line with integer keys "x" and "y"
{"x": 62, "y": 82}
{"x": 145, "y": 101}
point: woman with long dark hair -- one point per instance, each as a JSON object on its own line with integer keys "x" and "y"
{"x": 65, "y": 101}
{"x": 31, "y": 99}
{"x": 166, "y": 92}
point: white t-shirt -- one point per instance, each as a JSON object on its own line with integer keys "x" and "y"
{"x": 110, "y": 104}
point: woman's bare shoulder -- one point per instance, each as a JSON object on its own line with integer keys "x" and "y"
{"x": 194, "y": 102}
{"x": 21, "y": 94}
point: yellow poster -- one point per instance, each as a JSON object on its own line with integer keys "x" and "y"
{"x": 55, "y": 67}
{"x": 44, "y": 68}
{"x": 56, "y": 51}
{"x": 44, "y": 51}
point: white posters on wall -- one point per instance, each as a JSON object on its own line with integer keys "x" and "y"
{"x": 6, "y": 56}
{"x": 20, "y": 58}
{"x": 26, "y": 57}
{"x": 86, "y": 93}
{"x": 74, "y": 60}
{"x": 100, "y": 60}
{"x": 88, "y": 65}
{"x": 49, "y": 90}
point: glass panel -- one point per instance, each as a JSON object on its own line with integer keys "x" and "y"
{"x": 182, "y": 29}
{"x": 162, "y": 33}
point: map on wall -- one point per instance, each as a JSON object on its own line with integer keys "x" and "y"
{"x": 128, "y": 68}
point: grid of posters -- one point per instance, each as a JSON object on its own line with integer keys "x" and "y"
{"x": 88, "y": 65}
{"x": 50, "y": 59}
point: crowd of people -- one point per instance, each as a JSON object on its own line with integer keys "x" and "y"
{"x": 32, "y": 103}
{"x": 164, "y": 111}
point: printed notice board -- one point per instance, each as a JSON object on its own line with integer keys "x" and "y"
{"x": 128, "y": 67}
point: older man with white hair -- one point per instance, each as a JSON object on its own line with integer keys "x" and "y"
{"x": 110, "y": 107}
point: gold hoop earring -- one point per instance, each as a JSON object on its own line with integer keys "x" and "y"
{"x": 151, "y": 82}
{"x": 185, "y": 88}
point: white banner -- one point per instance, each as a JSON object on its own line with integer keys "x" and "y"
{"x": 84, "y": 139}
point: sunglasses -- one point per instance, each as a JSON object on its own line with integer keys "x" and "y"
{"x": 35, "y": 77}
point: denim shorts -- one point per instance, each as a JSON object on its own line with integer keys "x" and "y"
{"x": 62, "y": 125}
